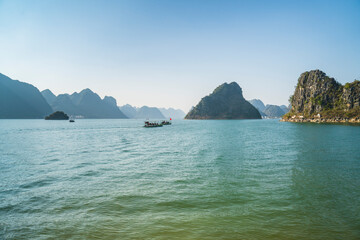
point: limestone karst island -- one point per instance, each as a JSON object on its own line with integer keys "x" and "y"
{"x": 225, "y": 102}
{"x": 320, "y": 98}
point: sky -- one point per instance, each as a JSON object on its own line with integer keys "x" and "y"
{"x": 173, "y": 53}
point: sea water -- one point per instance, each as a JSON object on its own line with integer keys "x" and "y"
{"x": 232, "y": 179}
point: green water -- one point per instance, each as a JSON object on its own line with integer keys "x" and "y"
{"x": 113, "y": 179}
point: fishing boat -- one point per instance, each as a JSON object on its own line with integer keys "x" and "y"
{"x": 149, "y": 124}
{"x": 166, "y": 123}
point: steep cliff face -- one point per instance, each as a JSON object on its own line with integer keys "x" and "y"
{"x": 351, "y": 94}
{"x": 226, "y": 102}
{"x": 321, "y": 97}
{"x": 315, "y": 92}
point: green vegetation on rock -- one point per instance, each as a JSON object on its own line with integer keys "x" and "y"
{"x": 317, "y": 94}
{"x": 58, "y": 115}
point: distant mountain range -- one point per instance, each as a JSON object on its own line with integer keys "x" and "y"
{"x": 23, "y": 100}
{"x": 269, "y": 111}
{"x": 172, "y": 113}
{"x": 146, "y": 112}
{"x": 225, "y": 102}
{"x": 86, "y": 104}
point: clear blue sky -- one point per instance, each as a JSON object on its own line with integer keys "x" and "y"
{"x": 172, "y": 53}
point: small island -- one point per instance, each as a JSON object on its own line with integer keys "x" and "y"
{"x": 225, "y": 102}
{"x": 319, "y": 98}
{"x": 58, "y": 115}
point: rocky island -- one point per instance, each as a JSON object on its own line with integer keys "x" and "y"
{"x": 58, "y": 115}
{"x": 226, "y": 102}
{"x": 319, "y": 98}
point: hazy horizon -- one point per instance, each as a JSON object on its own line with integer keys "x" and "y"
{"x": 173, "y": 53}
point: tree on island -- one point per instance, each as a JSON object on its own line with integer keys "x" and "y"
{"x": 58, "y": 115}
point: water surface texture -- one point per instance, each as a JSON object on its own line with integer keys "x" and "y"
{"x": 113, "y": 179}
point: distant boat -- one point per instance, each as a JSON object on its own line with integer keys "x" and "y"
{"x": 166, "y": 123}
{"x": 149, "y": 124}
{"x": 72, "y": 119}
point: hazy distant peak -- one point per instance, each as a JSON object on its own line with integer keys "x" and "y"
{"x": 127, "y": 105}
{"x": 110, "y": 100}
{"x": 258, "y": 104}
{"x": 86, "y": 90}
{"x": 273, "y": 111}
{"x": 63, "y": 95}
{"x": 172, "y": 113}
{"x": 48, "y": 91}
{"x": 48, "y": 95}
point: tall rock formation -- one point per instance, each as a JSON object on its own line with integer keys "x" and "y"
{"x": 320, "y": 98}
{"x": 226, "y": 102}
{"x": 21, "y": 100}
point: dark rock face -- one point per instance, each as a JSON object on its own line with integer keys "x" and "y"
{"x": 58, "y": 115}
{"x": 21, "y": 100}
{"x": 317, "y": 94}
{"x": 226, "y": 102}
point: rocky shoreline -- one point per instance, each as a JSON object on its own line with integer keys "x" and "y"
{"x": 301, "y": 119}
